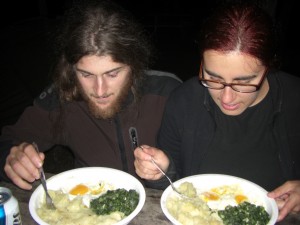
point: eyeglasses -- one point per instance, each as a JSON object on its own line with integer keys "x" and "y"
{"x": 219, "y": 85}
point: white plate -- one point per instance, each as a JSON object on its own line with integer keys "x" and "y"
{"x": 117, "y": 178}
{"x": 205, "y": 182}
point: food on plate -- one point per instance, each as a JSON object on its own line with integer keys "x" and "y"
{"x": 119, "y": 200}
{"x": 81, "y": 189}
{"x": 81, "y": 205}
{"x": 188, "y": 189}
{"x": 193, "y": 210}
{"x": 218, "y": 198}
{"x": 227, "y": 204}
{"x": 244, "y": 213}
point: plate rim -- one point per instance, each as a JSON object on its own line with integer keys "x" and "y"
{"x": 142, "y": 192}
{"x": 169, "y": 189}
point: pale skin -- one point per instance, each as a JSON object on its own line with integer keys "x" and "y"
{"x": 232, "y": 67}
{"x": 102, "y": 81}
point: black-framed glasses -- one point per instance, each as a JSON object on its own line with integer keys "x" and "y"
{"x": 219, "y": 85}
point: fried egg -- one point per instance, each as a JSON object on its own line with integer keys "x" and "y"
{"x": 219, "y": 197}
{"x": 86, "y": 191}
{"x": 82, "y": 189}
{"x": 79, "y": 189}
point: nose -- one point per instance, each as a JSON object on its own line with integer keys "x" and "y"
{"x": 100, "y": 86}
{"x": 227, "y": 95}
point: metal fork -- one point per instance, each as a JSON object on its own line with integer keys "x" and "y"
{"x": 169, "y": 179}
{"x": 135, "y": 144}
{"x": 49, "y": 201}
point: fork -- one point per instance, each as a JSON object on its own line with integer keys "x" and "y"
{"x": 49, "y": 201}
{"x": 135, "y": 144}
{"x": 169, "y": 179}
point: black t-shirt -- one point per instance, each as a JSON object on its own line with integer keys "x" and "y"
{"x": 244, "y": 146}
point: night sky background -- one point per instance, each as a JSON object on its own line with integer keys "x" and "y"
{"x": 26, "y": 47}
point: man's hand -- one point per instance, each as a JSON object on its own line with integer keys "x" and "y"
{"x": 22, "y": 165}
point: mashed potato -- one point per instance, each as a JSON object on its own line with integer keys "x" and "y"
{"x": 192, "y": 211}
{"x": 74, "y": 212}
{"x": 203, "y": 205}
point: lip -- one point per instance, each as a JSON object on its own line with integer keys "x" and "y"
{"x": 230, "y": 107}
{"x": 102, "y": 100}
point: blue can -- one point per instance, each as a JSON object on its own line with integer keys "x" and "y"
{"x": 9, "y": 208}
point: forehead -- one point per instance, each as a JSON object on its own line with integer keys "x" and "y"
{"x": 234, "y": 63}
{"x": 97, "y": 64}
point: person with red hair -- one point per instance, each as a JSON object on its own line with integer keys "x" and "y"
{"x": 238, "y": 117}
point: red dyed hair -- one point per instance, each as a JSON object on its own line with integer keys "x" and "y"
{"x": 242, "y": 27}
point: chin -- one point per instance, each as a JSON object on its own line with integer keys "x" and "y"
{"x": 232, "y": 112}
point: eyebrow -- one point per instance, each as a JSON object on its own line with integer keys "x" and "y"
{"x": 106, "y": 72}
{"x": 242, "y": 77}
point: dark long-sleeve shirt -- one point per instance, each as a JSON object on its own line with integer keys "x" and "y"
{"x": 189, "y": 130}
{"x": 94, "y": 142}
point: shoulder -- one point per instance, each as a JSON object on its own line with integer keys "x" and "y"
{"x": 190, "y": 87}
{"x": 160, "y": 82}
{"x": 189, "y": 94}
{"x": 48, "y": 99}
{"x": 285, "y": 83}
{"x": 162, "y": 75}
{"x": 289, "y": 79}
{"x": 285, "y": 89}
{"x": 188, "y": 101}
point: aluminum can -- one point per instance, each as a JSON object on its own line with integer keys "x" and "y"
{"x": 9, "y": 208}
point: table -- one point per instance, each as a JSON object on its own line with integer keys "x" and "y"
{"x": 151, "y": 214}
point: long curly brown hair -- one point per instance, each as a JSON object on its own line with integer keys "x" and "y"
{"x": 100, "y": 28}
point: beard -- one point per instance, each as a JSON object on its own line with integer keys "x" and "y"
{"x": 114, "y": 107}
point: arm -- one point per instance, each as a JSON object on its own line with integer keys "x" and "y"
{"x": 35, "y": 124}
{"x": 168, "y": 139}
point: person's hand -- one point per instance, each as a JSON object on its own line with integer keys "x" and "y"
{"x": 22, "y": 165}
{"x": 143, "y": 165}
{"x": 287, "y": 197}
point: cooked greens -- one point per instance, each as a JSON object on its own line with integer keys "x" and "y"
{"x": 119, "y": 200}
{"x": 244, "y": 214}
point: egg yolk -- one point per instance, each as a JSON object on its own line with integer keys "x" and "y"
{"x": 240, "y": 198}
{"x": 97, "y": 191}
{"x": 209, "y": 196}
{"x": 79, "y": 189}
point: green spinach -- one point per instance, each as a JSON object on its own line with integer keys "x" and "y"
{"x": 119, "y": 200}
{"x": 244, "y": 214}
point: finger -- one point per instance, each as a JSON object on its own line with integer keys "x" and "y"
{"x": 146, "y": 167}
{"x": 290, "y": 205}
{"x": 148, "y": 176}
{"x": 142, "y": 172}
{"x": 30, "y": 161}
{"x": 22, "y": 164}
{"x": 148, "y": 149}
{"x": 146, "y": 170}
{"x": 37, "y": 159}
{"x": 140, "y": 154}
{"x": 284, "y": 211}
{"x": 280, "y": 203}
{"x": 16, "y": 179}
{"x": 21, "y": 167}
{"x": 282, "y": 190}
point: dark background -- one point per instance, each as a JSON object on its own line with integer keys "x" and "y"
{"x": 27, "y": 53}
